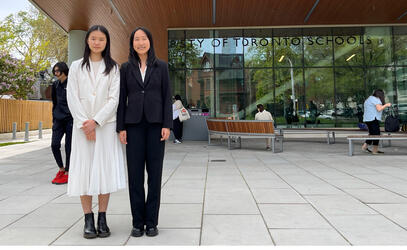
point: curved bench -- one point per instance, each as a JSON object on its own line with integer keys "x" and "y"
{"x": 243, "y": 129}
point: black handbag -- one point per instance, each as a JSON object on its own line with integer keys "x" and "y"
{"x": 392, "y": 123}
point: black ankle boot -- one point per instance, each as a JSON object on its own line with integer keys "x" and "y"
{"x": 89, "y": 231}
{"x": 103, "y": 229}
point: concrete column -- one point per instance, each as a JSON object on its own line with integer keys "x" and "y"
{"x": 76, "y": 45}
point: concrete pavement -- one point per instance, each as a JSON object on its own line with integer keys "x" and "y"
{"x": 310, "y": 194}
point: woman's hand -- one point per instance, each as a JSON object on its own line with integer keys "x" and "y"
{"x": 123, "y": 136}
{"x": 91, "y": 136}
{"x": 89, "y": 126}
{"x": 165, "y": 133}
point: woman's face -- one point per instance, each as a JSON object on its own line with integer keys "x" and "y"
{"x": 141, "y": 44}
{"x": 97, "y": 41}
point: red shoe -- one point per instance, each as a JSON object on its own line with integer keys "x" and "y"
{"x": 59, "y": 175}
{"x": 62, "y": 180}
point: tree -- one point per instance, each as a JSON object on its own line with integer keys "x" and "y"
{"x": 33, "y": 38}
{"x": 16, "y": 78}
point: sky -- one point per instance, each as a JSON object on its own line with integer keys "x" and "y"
{"x": 12, "y": 6}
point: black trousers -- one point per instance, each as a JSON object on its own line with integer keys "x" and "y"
{"x": 144, "y": 150}
{"x": 59, "y": 129}
{"x": 178, "y": 126}
{"x": 374, "y": 129}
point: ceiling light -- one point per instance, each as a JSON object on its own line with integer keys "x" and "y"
{"x": 281, "y": 58}
{"x": 350, "y": 57}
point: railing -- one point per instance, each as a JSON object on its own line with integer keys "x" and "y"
{"x": 22, "y": 111}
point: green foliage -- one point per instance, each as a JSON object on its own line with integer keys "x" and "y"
{"x": 16, "y": 78}
{"x": 33, "y": 38}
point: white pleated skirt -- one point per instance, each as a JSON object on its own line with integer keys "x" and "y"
{"x": 96, "y": 167}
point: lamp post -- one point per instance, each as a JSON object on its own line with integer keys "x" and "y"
{"x": 292, "y": 83}
{"x": 292, "y": 86}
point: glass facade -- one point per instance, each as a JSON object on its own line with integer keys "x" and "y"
{"x": 303, "y": 76}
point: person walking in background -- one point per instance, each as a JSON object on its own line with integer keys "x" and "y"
{"x": 144, "y": 119}
{"x": 177, "y": 124}
{"x": 264, "y": 115}
{"x": 62, "y": 122}
{"x": 373, "y": 107}
{"x": 97, "y": 159}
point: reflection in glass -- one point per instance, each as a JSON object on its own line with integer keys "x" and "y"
{"x": 350, "y": 96}
{"x": 401, "y": 74}
{"x": 288, "y": 108}
{"x": 348, "y": 46}
{"x": 378, "y": 50}
{"x": 230, "y": 92}
{"x": 400, "y": 45}
{"x": 319, "y": 89}
{"x": 287, "y": 47}
{"x": 200, "y": 89}
{"x": 254, "y": 66}
{"x": 259, "y": 90}
{"x": 228, "y": 46}
{"x": 176, "y": 49}
{"x": 381, "y": 78}
{"x": 177, "y": 78}
{"x": 258, "y": 51}
{"x": 318, "y": 47}
{"x": 199, "y": 50}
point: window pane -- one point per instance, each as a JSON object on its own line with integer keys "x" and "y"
{"x": 319, "y": 89}
{"x": 381, "y": 78}
{"x": 287, "y": 47}
{"x": 289, "y": 103}
{"x": 177, "y": 78}
{"x": 378, "y": 45}
{"x": 318, "y": 47}
{"x": 350, "y": 96}
{"x": 199, "y": 49}
{"x": 401, "y": 73}
{"x": 400, "y": 45}
{"x": 228, "y": 48}
{"x": 348, "y": 46}
{"x": 259, "y": 49}
{"x": 259, "y": 90}
{"x": 176, "y": 49}
{"x": 230, "y": 93}
{"x": 200, "y": 89}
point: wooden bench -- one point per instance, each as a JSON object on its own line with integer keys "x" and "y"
{"x": 243, "y": 129}
{"x": 389, "y": 137}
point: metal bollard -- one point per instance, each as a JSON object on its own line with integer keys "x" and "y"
{"x": 14, "y": 130}
{"x": 40, "y": 130}
{"x": 27, "y": 127}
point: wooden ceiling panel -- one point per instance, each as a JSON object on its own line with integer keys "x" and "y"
{"x": 261, "y": 12}
{"x": 358, "y": 12}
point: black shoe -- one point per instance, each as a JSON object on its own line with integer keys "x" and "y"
{"x": 137, "y": 232}
{"x": 89, "y": 230}
{"x": 103, "y": 230}
{"x": 152, "y": 231}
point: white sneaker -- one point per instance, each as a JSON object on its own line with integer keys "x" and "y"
{"x": 176, "y": 141}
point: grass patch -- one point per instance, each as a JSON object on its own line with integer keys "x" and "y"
{"x": 11, "y": 143}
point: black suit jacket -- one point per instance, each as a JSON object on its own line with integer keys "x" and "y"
{"x": 151, "y": 98}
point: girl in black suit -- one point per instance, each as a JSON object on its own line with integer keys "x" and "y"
{"x": 144, "y": 120}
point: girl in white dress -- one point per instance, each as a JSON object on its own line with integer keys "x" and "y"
{"x": 97, "y": 157}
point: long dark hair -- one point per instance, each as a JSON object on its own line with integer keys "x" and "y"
{"x": 133, "y": 56}
{"x": 379, "y": 94}
{"x": 109, "y": 62}
{"x": 62, "y": 67}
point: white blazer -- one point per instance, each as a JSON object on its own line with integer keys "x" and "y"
{"x": 91, "y": 97}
